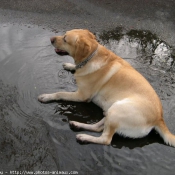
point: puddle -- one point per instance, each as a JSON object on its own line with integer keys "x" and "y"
{"x": 37, "y": 136}
{"x": 141, "y": 45}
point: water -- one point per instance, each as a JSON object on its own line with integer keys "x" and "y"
{"x": 35, "y": 136}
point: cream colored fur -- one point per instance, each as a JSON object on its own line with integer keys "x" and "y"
{"x": 131, "y": 106}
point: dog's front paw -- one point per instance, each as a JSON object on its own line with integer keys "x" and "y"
{"x": 69, "y": 66}
{"x": 44, "y": 98}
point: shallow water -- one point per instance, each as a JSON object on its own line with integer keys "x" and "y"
{"x": 37, "y": 136}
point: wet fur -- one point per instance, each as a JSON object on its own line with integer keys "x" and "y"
{"x": 131, "y": 106}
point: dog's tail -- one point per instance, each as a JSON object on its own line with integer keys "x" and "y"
{"x": 167, "y": 136}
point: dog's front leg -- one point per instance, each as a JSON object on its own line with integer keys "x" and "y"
{"x": 67, "y": 96}
{"x": 69, "y": 66}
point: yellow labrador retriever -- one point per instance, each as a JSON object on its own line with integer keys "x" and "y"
{"x": 131, "y": 106}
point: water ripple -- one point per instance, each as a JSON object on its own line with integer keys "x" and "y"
{"x": 65, "y": 77}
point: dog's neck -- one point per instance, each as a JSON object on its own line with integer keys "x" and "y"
{"x": 83, "y": 63}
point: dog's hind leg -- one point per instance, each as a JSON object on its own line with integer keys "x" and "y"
{"x": 97, "y": 127}
{"x": 105, "y": 138}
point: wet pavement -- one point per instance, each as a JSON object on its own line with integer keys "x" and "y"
{"x": 37, "y": 137}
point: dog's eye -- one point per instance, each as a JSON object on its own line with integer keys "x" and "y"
{"x": 64, "y": 38}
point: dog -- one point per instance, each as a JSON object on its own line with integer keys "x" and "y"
{"x": 131, "y": 106}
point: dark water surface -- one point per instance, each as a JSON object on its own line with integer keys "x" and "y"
{"x": 35, "y": 136}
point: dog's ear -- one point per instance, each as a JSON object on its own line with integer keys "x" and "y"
{"x": 82, "y": 49}
{"x": 91, "y": 35}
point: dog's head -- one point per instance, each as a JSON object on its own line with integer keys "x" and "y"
{"x": 77, "y": 43}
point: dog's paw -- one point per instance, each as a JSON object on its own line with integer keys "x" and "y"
{"x": 69, "y": 66}
{"x": 74, "y": 126}
{"x": 44, "y": 98}
{"x": 82, "y": 138}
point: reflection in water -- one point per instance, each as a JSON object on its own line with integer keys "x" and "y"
{"x": 82, "y": 112}
{"x": 35, "y": 136}
{"x": 141, "y": 44}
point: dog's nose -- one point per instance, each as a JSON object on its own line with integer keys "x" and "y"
{"x": 52, "y": 40}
